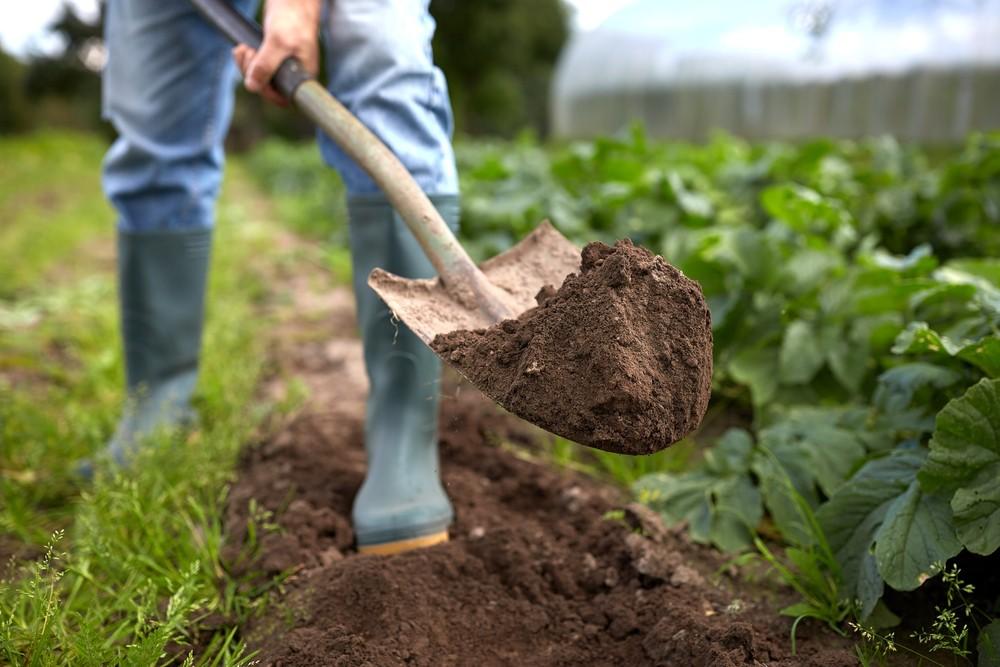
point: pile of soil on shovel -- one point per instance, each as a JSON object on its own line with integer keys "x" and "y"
{"x": 545, "y": 566}
{"x": 618, "y": 358}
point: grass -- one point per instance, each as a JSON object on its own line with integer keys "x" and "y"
{"x": 130, "y": 569}
{"x": 49, "y": 203}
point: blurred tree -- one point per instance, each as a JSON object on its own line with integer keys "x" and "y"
{"x": 498, "y": 56}
{"x": 65, "y": 87}
{"x": 14, "y": 113}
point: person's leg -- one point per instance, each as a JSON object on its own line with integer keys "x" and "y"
{"x": 380, "y": 67}
{"x": 168, "y": 90}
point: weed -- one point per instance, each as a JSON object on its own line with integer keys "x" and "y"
{"x": 949, "y": 631}
{"x": 812, "y": 569}
{"x": 874, "y": 648}
{"x": 25, "y": 635}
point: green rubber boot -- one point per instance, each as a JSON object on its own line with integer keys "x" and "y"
{"x": 401, "y": 504}
{"x": 161, "y": 287}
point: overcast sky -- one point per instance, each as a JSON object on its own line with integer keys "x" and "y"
{"x": 897, "y": 32}
{"x": 22, "y": 27}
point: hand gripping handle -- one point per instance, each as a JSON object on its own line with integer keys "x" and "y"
{"x": 238, "y": 29}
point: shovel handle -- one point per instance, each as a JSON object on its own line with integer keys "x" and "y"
{"x": 459, "y": 274}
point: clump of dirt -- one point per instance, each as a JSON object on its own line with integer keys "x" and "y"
{"x": 618, "y": 358}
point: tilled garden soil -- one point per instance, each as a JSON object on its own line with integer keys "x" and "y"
{"x": 541, "y": 569}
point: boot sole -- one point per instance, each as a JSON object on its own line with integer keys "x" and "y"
{"x": 400, "y": 546}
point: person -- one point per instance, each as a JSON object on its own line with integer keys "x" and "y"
{"x": 168, "y": 88}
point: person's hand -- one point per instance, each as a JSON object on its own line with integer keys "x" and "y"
{"x": 290, "y": 29}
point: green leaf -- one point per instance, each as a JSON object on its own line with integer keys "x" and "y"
{"x": 804, "y": 209}
{"x": 870, "y": 585}
{"x": 808, "y": 269}
{"x": 801, "y": 356}
{"x": 882, "y": 617}
{"x": 800, "y": 609}
{"x": 988, "y": 269}
{"x": 988, "y": 645}
{"x": 778, "y": 497}
{"x": 885, "y": 297}
{"x": 917, "y": 535}
{"x": 731, "y": 454}
{"x": 851, "y": 520}
{"x": 965, "y": 460}
{"x": 736, "y": 513}
{"x": 749, "y": 251}
{"x": 758, "y": 369}
{"x": 897, "y": 386}
{"x": 813, "y": 440}
{"x": 987, "y": 293}
{"x": 985, "y": 354}
{"x": 694, "y": 204}
{"x": 918, "y": 338}
{"x": 848, "y": 356}
{"x": 919, "y": 262}
{"x": 718, "y": 499}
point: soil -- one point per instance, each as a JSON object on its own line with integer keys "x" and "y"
{"x": 618, "y": 358}
{"x": 544, "y": 566}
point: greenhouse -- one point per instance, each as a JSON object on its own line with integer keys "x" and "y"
{"x": 924, "y": 70}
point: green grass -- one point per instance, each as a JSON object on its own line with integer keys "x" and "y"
{"x": 49, "y": 203}
{"x": 132, "y": 563}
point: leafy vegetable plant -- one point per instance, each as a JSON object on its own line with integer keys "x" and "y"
{"x": 855, "y": 296}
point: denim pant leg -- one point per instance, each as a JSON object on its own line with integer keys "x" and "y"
{"x": 168, "y": 89}
{"x": 381, "y": 68}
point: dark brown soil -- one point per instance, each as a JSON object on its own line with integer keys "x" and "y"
{"x": 618, "y": 358}
{"x": 544, "y": 566}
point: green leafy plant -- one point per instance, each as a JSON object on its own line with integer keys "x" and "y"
{"x": 856, "y": 318}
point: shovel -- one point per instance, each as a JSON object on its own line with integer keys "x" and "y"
{"x": 463, "y": 296}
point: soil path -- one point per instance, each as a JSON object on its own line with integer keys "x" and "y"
{"x": 544, "y": 567}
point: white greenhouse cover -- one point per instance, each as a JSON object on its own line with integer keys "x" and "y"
{"x": 657, "y": 45}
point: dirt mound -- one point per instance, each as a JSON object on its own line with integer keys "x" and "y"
{"x": 544, "y": 566}
{"x": 537, "y": 573}
{"x": 619, "y": 357}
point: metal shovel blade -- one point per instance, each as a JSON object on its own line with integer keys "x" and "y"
{"x": 543, "y": 257}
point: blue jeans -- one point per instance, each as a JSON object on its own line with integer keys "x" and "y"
{"x": 168, "y": 90}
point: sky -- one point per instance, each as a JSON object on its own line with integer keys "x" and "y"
{"x": 865, "y": 34}
{"x": 760, "y": 28}
{"x": 22, "y": 27}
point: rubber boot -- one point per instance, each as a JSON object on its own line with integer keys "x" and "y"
{"x": 161, "y": 287}
{"x": 401, "y": 504}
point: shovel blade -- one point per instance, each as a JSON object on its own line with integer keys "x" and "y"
{"x": 543, "y": 257}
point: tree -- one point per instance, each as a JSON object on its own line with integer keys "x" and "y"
{"x": 65, "y": 86}
{"x": 14, "y": 112}
{"x": 498, "y": 56}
